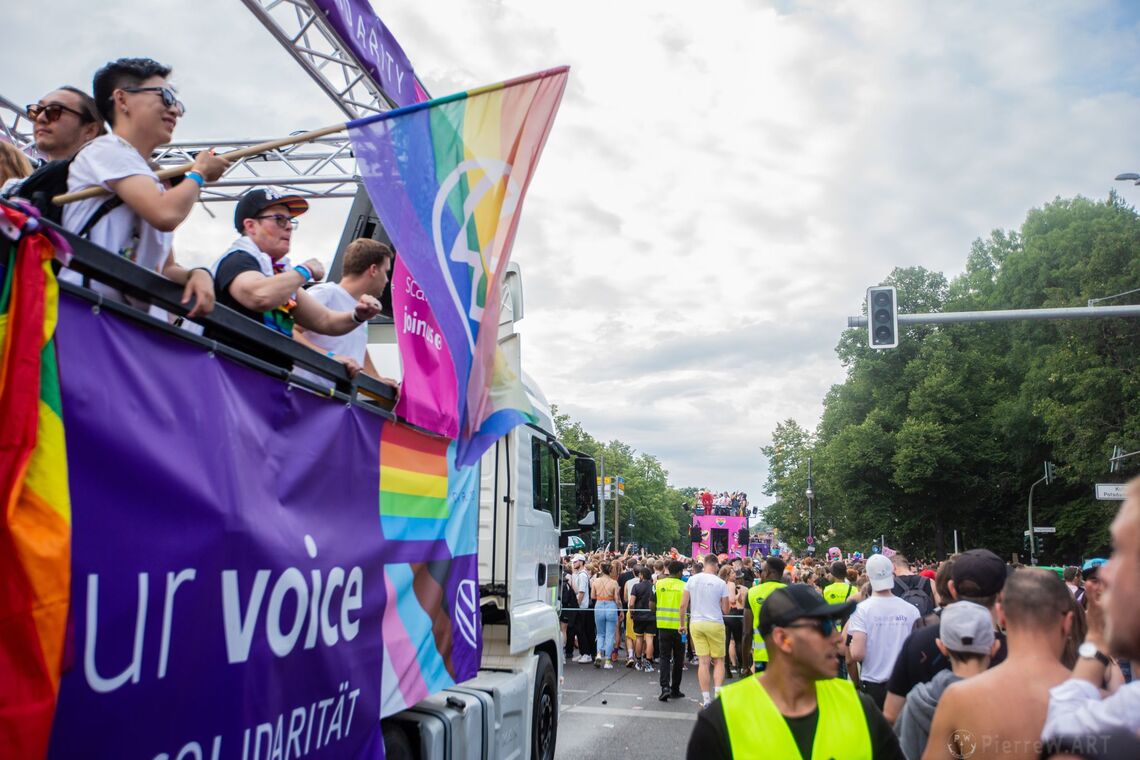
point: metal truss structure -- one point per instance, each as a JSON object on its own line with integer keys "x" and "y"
{"x": 323, "y": 168}
{"x": 16, "y": 127}
{"x": 301, "y": 30}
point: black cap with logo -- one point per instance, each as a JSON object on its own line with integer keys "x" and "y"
{"x": 257, "y": 200}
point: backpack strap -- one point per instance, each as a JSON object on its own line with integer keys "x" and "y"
{"x": 105, "y": 208}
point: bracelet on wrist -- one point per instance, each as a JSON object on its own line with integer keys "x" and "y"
{"x": 357, "y": 321}
{"x": 202, "y": 269}
{"x": 197, "y": 178}
{"x": 303, "y": 270}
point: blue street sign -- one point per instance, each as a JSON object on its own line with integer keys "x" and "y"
{"x": 874, "y": 548}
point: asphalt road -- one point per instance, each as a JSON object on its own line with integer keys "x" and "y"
{"x": 615, "y": 713}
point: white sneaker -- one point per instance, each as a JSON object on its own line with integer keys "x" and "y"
{"x": 608, "y": 666}
{"x": 585, "y": 659}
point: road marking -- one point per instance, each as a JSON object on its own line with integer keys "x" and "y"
{"x": 612, "y": 711}
{"x": 602, "y": 693}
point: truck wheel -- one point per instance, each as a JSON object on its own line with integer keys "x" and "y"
{"x": 396, "y": 744}
{"x": 544, "y": 721}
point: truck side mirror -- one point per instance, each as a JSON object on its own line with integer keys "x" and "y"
{"x": 585, "y": 489}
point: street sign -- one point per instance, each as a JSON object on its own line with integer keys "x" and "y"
{"x": 874, "y": 548}
{"x": 1040, "y": 529}
{"x": 810, "y": 540}
{"x": 1110, "y": 491}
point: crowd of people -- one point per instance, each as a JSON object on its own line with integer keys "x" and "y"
{"x": 882, "y": 658}
{"x": 105, "y": 140}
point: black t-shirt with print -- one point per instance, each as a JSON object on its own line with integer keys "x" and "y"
{"x": 235, "y": 263}
{"x": 642, "y": 594}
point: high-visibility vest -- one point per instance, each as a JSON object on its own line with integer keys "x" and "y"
{"x": 837, "y": 593}
{"x": 756, "y": 729}
{"x": 756, "y": 597}
{"x": 669, "y": 591}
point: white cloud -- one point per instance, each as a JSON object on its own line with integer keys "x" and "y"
{"x": 722, "y": 183}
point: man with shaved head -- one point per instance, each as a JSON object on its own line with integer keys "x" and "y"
{"x": 1000, "y": 713}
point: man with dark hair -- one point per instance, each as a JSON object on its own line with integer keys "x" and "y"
{"x": 771, "y": 578}
{"x": 977, "y": 575}
{"x": 364, "y": 271}
{"x": 797, "y": 707}
{"x": 255, "y": 278}
{"x": 135, "y": 99}
{"x": 671, "y": 648}
{"x": 1036, "y": 610}
{"x": 641, "y": 608}
{"x": 64, "y": 120}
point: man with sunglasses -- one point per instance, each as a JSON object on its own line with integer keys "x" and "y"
{"x": 135, "y": 99}
{"x": 63, "y": 121}
{"x": 255, "y": 277}
{"x": 797, "y": 708}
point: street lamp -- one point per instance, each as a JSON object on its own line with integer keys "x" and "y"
{"x": 810, "y": 494}
{"x": 1129, "y": 176}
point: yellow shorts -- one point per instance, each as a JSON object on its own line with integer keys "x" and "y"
{"x": 708, "y": 638}
{"x": 629, "y": 634}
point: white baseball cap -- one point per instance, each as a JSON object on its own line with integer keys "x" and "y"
{"x": 579, "y": 558}
{"x": 881, "y": 573}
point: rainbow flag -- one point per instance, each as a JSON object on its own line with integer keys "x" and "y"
{"x": 447, "y": 178}
{"x": 413, "y": 484}
{"x": 35, "y": 533}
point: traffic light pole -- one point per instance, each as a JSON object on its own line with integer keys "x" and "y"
{"x": 1032, "y": 536}
{"x": 1009, "y": 315}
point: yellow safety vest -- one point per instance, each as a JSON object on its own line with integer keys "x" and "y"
{"x": 668, "y": 593}
{"x": 756, "y": 597}
{"x": 756, "y": 729}
{"x": 837, "y": 593}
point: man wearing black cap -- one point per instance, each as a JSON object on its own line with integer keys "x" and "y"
{"x": 255, "y": 278}
{"x": 977, "y": 576}
{"x": 796, "y": 708}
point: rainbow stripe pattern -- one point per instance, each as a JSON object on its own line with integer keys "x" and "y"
{"x": 413, "y": 484}
{"x": 35, "y": 532}
{"x": 447, "y": 178}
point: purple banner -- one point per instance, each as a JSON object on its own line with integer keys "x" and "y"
{"x": 374, "y": 47}
{"x": 230, "y": 597}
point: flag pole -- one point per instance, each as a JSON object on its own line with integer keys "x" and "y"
{"x": 175, "y": 171}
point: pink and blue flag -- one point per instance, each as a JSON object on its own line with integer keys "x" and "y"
{"x": 447, "y": 178}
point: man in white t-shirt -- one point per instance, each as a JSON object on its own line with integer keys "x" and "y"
{"x": 140, "y": 106}
{"x": 364, "y": 271}
{"x": 878, "y": 628}
{"x": 581, "y": 583}
{"x": 706, "y": 599}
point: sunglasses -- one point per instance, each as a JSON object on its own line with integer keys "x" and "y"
{"x": 53, "y": 111}
{"x": 825, "y": 626}
{"x": 169, "y": 99}
{"x": 283, "y": 222}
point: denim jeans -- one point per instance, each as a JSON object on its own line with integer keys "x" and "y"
{"x": 605, "y": 619}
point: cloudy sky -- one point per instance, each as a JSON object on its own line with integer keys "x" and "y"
{"x": 722, "y": 183}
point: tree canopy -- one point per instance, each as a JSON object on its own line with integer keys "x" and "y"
{"x": 949, "y": 430}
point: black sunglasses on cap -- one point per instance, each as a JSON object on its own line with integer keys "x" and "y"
{"x": 169, "y": 99}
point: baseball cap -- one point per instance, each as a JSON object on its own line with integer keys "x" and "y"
{"x": 579, "y": 558}
{"x": 966, "y": 627}
{"x": 798, "y": 600}
{"x": 258, "y": 199}
{"x": 978, "y": 572}
{"x": 881, "y": 573}
{"x": 1091, "y": 567}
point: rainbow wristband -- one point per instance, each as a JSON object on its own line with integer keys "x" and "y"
{"x": 303, "y": 270}
{"x": 197, "y": 178}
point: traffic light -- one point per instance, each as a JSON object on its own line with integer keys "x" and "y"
{"x": 882, "y": 317}
{"x": 1050, "y": 473}
{"x": 1038, "y": 546}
